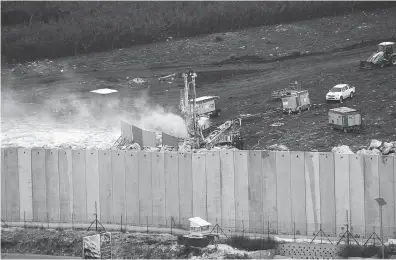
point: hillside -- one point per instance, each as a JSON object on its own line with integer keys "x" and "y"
{"x": 37, "y": 30}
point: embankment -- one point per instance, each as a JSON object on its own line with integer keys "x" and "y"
{"x": 53, "y": 29}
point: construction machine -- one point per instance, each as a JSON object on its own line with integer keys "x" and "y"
{"x": 280, "y": 93}
{"x": 197, "y": 112}
{"x": 227, "y": 133}
{"x": 385, "y": 55}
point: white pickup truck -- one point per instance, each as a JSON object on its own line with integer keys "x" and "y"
{"x": 340, "y": 92}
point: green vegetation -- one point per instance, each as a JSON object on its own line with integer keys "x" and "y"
{"x": 366, "y": 251}
{"x": 251, "y": 244}
{"x": 36, "y": 30}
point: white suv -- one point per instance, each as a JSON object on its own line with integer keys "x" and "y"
{"x": 340, "y": 92}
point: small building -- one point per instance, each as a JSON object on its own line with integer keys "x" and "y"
{"x": 199, "y": 227}
{"x": 344, "y": 118}
{"x": 206, "y": 105}
{"x": 296, "y": 101}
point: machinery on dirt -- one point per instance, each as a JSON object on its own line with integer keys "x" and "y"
{"x": 198, "y": 111}
{"x": 227, "y": 133}
{"x": 385, "y": 55}
{"x": 345, "y": 119}
{"x": 296, "y": 101}
{"x": 279, "y": 93}
{"x": 206, "y": 106}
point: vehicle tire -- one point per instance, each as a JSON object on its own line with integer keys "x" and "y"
{"x": 341, "y": 99}
{"x": 393, "y": 60}
{"x": 351, "y": 95}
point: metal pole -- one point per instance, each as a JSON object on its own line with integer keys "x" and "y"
{"x": 185, "y": 93}
{"x": 347, "y": 234}
{"x": 382, "y": 234}
{"x": 321, "y": 241}
{"x": 194, "y": 105}
{"x": 294, "y": 231}
{"x": 96, "y": 218}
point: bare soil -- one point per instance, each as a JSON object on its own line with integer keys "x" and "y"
{"x": 265, "y": 59}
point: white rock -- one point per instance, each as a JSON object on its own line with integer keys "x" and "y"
{"x": 375, "y": 144}
{"x": 342, "y": 149}
{"x": 387, "y": 150}
{"x": 278, "y": 147}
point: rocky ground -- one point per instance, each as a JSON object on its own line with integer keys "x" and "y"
{"x": 124, "y": 245}
{"x": 243, "y": 69}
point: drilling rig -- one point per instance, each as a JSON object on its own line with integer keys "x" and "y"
{"x": 198, "y": 122}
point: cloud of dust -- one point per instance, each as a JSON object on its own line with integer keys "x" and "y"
{"x": 156, "y": 118}
{"x": 66, "y": 114}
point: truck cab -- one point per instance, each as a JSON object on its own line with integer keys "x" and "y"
{"x": 387, "y": 47}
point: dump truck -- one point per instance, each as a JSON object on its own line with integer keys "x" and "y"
{"x": 345, "y": 119}
{"x": 385, "y": 55}
{"x": 296, "y": 101}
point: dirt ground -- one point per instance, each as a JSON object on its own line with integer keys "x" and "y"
{"x": 69, "y": 243}
{"x": 331, "y": 49}
{"x": 125, "y": 245}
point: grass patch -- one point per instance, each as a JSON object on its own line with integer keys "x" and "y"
{"x": 251, "y": 244}
{"x": 57, "y": 29}
{"x": 367, "y": 251}
{"x": 236, "y": 256}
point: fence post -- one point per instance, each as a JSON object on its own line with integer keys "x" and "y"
{"x": 171, "y": 224}
{"x": 121, "y": 222}
{"x": 268, "y": 230}
{"x": 47, "y": 221}
{"x": 24, "y": 219}
{"x": 294, "y": 231}
{"x": 72, "y": 217}
{"x": 243, "y": 228}
{"x": 147, "y": 223}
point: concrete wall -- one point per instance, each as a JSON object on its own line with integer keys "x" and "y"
{"x": 240, "y": 190}
{"x": 146, "y": 138}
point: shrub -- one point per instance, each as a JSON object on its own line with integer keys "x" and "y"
{"x": 251, "y": 244}
{"x": 236, "y": 256}
{"x": 366, "y": 252}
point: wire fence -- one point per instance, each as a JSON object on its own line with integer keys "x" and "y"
{"x": 291, "y": 231}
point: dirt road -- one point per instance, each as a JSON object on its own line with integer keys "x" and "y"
{"x": 244, "y": 87}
